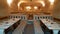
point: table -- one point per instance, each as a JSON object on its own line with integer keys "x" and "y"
{"x": 6, "y": 24}
{"x": 50, "y": 24}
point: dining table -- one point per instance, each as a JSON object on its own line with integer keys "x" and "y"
{"x": 7, "y": 24}
{"x": 52, "y": 25}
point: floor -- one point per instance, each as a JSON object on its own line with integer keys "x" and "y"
{"x": 29, "y": 29}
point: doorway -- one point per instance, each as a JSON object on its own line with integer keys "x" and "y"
{"x": 30, "y": 16}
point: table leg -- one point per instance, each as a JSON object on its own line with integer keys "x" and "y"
{"x": 55, "y": 31}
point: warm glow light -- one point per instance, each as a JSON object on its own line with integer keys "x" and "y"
{"x": 51, "y": 1}
{"x": 28, "y": 7}
{"x": 9, "y": 2}
{"x": 43, "y": 4}
{"x": 35, "y": 7}
{"x": 20, "y": 3}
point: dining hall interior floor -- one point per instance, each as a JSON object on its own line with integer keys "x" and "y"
{"x": 32, "y": 28}
{"x": 29, "y": 29}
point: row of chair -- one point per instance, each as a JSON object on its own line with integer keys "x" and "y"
{"x": 21, "y": 17}
{"x": 36, "y": 17}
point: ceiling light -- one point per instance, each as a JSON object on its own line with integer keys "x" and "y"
{"x": 51, "y": 1}
{"x": 20, "y": 3}
{"x": 35, "y": 7}
{"x": 28, "y": 7}
{"x": 43, "y": 4}
{"x": 9, "y": 2}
